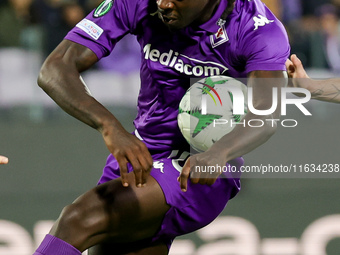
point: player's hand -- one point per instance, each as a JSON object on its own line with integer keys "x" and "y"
{"x": 3, "y": 160}
{"x": 296, "y": 71}
{"x": 202, "y": 168}
{"x": 127, "y": 148}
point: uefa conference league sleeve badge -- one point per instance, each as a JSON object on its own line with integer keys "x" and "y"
{"x": 103, "y": 8}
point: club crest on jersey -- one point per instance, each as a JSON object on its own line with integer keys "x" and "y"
{"x": 103, "y": 8}
{"x": 219, "y": 38}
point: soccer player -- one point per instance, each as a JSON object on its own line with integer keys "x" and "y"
{"x": 3, "y": 160}
{"x": 148, "y": 193}
{"x": 324, "y": 90}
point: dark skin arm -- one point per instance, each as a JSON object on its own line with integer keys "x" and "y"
{"x": 60, "y": 79}
{"x": 241, "y": 140}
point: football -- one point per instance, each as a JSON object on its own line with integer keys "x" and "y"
{"x": 206, "y": 111}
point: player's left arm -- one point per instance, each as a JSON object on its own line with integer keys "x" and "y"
{"x": 244, "y": 138}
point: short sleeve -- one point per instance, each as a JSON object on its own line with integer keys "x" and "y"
{"x": 264, "y": 43}
{"x": 101, "y": 29}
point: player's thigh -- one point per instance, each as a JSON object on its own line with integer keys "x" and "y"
{"x": 111, "y": 211}
{"x": 138, "y": 248}
{"x": 137, "y": 212}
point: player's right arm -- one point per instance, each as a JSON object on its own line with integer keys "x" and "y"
{"x": 324, "y": 90}
{"x": 60, "y": 79}
{"x": 3, "y": 160}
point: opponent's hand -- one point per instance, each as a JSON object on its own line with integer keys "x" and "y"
{"x": 203, "y": 168}
{"x": 296, "y": 71}
{"x": 127, "y": 148}
{"x": 3, "y": 160}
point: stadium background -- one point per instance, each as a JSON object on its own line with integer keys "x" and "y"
{"x": 54, "y": 158}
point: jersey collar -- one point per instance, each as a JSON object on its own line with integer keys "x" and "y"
{"x": 211, "y": 25}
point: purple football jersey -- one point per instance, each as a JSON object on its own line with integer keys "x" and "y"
{"x": 252, "y": 38}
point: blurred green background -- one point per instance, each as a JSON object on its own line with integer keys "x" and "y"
{"x": 55, "y": 160}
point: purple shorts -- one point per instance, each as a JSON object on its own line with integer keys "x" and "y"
{"x": 190, "y": 210}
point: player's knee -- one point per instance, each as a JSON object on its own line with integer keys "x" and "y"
{"x": 71, "y": 218}
{"x": 79, "y": 227}
{"x": 77, "y": 218}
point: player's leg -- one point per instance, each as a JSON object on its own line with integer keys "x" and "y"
{"x": 109, "y": 212}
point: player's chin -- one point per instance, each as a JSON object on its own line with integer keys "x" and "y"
{"x": 174, "y": 25}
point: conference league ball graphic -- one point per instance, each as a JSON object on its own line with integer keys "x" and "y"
{"x": 206, "y": 110}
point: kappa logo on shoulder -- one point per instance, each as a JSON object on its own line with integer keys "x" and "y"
{"x": 219, "y": 38}
{"x": 261, "y": 21}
